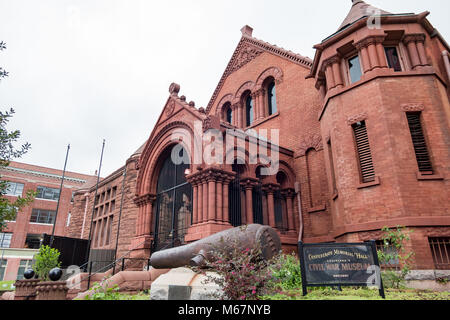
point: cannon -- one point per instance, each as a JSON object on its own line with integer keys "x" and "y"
{"x": 195, "y": 254}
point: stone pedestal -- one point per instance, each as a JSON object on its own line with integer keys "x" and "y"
{"x": 56, "y": 290}
{"x": 25, "y": 289}
{"x": 184, "y": 284}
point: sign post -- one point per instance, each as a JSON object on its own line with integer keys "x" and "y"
{"x": 340, "y": 264}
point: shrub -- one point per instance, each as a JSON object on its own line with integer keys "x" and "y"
{"x": 394, "y": 250}
{"x": 45, "y": 260}
{"x": 243, "y": 273}
{"x": 286, "y": 272}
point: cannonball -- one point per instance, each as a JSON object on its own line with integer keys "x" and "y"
{"x": 55, "y": 274}
{"x": 28, "y": 274}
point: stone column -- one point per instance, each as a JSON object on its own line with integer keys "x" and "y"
{"x": 211, "y": 199}
{"x": 410, "y": 42}
{"x": 219, "y": 197}
{"x": 381, "y": 54}
{"x": 225, "y": 215}
{"x": 255, "y": 97}
{"x": 373, "y": 56}
{"x": 421, "y": 50}
{"x": 365, "y": 59}
{"x": 200, "y": 202}
{"x": 235, "y": 108}
{"x": 249, "y": 203}
{"x": 270, "y": 191}
{"x": 148, "y": 215}
{"x": 290, "y": 194}
{"x": 205, "y": 200}
{"x": 336, "y": 65}
{"x": 195, "y": 204}
{"x": 330, "y": 77}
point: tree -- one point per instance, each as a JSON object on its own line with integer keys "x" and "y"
{"x": 8, "y": 151}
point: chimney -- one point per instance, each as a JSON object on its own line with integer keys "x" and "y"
{"x": 247, "y": 31}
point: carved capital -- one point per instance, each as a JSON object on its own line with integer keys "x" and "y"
{"x": 145, "y": 199}
{"x": 413, "y": 37}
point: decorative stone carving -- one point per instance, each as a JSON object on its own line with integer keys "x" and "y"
{"x": 313, "y": 141}
{"x": 174, "y": 89}
{"x": 170, "y": 108}
{"x": 415, "y": 37}
{"x": 357, "y": 118}
{"x": 211, "y": 122}
{"x": 412, "y": 107}
{"x": 247, "y": 54}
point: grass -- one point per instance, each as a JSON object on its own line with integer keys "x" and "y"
{"x": 6, "y": 286}
{"x": 358, "y": 294}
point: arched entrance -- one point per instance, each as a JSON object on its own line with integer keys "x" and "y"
{"x": 173, "y": 203}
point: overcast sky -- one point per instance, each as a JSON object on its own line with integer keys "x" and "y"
{"x": 86, "y": 70}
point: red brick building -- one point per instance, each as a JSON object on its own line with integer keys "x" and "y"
{"x": 356, "y": 140}
{"x": 21, "y": 239}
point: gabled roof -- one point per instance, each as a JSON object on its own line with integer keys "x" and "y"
{"x": 360, "y": 10}
{"x": 249, "y": 48}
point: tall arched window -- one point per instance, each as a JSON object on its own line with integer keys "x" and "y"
{"x": 249, "y": 110}
{"x": 271, "y": 98}
{"x": 174, "y": 203}
{"x": 228, "y": 113}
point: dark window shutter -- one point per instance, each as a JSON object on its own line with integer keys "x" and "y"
{"x": 364, "y": 154}
{"x": 420, "y": 145}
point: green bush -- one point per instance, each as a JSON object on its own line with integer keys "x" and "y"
{"x": 394, "y": 251}
{"x": 45, "y": 260}
{"x": 286, "y": 272}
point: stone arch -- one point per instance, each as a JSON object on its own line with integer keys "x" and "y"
{"x": 146, "y": 181}
{"x": 272, "y": 72}
{"x": 248, "y": 86}
{"x": 222, "y": 102}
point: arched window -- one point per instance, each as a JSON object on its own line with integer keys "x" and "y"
{"x": 228, "y": 113}
{"x": 174, "y": 204}
{"x": 249, "y": 110}
{"x": 271, "y": 98}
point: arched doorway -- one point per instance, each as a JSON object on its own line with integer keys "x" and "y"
{"x": 173, "y": 203}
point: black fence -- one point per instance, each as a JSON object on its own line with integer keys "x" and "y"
{"x": 73, "y": 251}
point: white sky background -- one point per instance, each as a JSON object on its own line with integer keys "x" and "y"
{"x": 86, "y": 70}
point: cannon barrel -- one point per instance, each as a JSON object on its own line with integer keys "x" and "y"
{"x": 195, "y": 254}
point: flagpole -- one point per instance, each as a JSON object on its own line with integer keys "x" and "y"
{"x": 94, "y": 202}
{"x": 59, "y": 197}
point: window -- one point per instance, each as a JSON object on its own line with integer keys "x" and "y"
{"x": 43, "y": 216}
{"x": 229, "y": 115}
{"x": 5, "y": 240}
{"x": 419, "y": 143}
{"x": 271, "y": 98}
{"x": 3, "y": 264}
{"x": 249, "y": 110}
{"x": 47, "y": 193}
{"x": 440, "y": 249}
{"x": 364, "y": 154}
{"x": 33, "y": 241}
{"x": 393, "y": 58}
{"x": 14, "y": 189}
{"x": 354, "y": 69}
{"x": 391, "y": 251}
{"x": 23, "y": 266}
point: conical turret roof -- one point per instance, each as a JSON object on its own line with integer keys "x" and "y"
{"x": 359, "y": 10}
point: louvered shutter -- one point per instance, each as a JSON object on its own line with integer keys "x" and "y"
{"x": 364, "y": 154}
{"x": 419, "y": 143}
